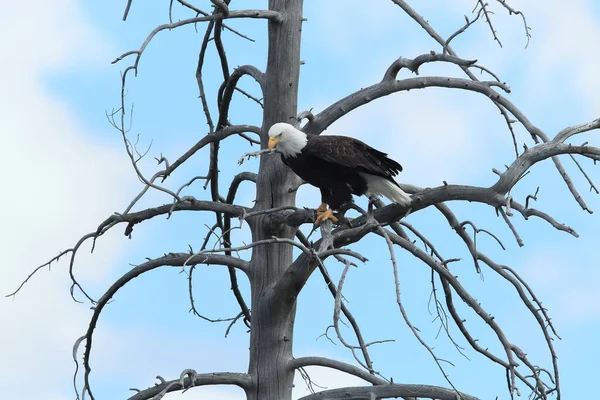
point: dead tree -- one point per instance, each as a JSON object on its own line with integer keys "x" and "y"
{"x": 276, "y": 278}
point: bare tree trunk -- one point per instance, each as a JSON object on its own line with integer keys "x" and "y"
{"x": 273, "y": 324}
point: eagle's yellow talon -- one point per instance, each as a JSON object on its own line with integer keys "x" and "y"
{"x": 325, "y": 215}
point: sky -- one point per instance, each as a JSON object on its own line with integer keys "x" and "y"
{"x": 68, "y": 171}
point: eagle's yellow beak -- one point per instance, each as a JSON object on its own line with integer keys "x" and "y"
{"x": 273, "y": 142}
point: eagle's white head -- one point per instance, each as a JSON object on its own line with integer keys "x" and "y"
{"x": 288, "y": 140}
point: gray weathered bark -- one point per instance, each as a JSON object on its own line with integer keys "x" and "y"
{"x": 273, "y": 324}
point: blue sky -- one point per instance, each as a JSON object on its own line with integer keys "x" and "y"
{"x": 68, "y": 172}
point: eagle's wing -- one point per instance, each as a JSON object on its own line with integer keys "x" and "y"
{"x": 352, "y": 153}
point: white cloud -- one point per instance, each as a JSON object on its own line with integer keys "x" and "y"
{"x": 58, "y": 184}
{"x": 47, "y": 36}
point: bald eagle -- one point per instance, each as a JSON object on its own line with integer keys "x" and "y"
{"x": 339, "y": 166}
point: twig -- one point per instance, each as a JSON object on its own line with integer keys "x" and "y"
{"x": 512, "y": 227}
{"x": 254, "y": 154}
{"x": 488, "y": 20}
{"x": 468, "y": 23}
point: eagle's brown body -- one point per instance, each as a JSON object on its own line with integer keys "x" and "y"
{"x": 340, "y": 166}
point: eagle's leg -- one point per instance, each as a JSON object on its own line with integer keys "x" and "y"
{"x": 371, "y": 206}
{"x": 323, "y": 214}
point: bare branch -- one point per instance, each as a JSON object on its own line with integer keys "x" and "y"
{"x": 430, "y": 31}
{"x": 193, "y": 308}
{"x": 222, "y": 6}
{"x": 73, "y": 251}
{"x": 359, "y": 336}
{"x": 127, "y": 7}
{"x": 47, "y": 264}
{"x": 260, "y": 14}
{"x": 200, "y": 12}
{"x": 210, "y": 379}
{"x": 570, "y": 131}
{"x": 466, "y": 26}
{"x": 428, "y": 245}
{"x": 235, "y": 183}
{"x": 368, "y": 364}
{"x": 389, "y": 86}
{"x": 304, "y": 114}
{"x": 338, "y": 365}
{"x": 255, "y": 154}
{"x": 382, "y": 232}
{"x": 488, "y": 20}
{"x": 213, "y": 169}
{"x": 414, "y": 64}
{"x": 254, "y": 99}
{"x": 237, "y": 180}
{"x": 199, "y": 76}
{"x": 389, "y": 391}
{"x": 516, "y": 12}
{"x": 585, "y": 175}
{"x": 131, "y": 148}
{"x": 227, "y": 89}
{"x": 220, "y": 134}
{"x": 187, "y": 203}
{"x": 477, "y": 230}
{"x": 249, "y": 246}
{"x": 512, "y": 227}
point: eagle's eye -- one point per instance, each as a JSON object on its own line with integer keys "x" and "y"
{"x": 281, "y": 134}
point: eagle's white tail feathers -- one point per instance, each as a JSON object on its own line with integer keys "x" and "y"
{"x": 378, "y": 185}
